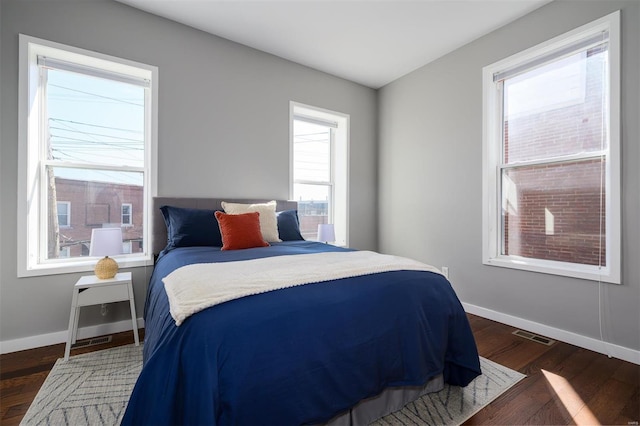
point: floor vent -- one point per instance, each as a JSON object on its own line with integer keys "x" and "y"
{"x": 534, "y": 337}
{"x": 91, "y": 342}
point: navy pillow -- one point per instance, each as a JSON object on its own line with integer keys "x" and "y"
{"x": 289, "y": 226}
{"x": 191, "y": 227}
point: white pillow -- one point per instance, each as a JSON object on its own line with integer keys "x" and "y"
{"x": 268, "y": 219}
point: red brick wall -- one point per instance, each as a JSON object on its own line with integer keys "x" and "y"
{"x": 311, "y": 214}
{"x": 570, "y": 193}
{"x": 309, "y": 226}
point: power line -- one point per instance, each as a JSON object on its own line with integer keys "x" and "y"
{"x": 105, "y": 143}
{"x": 95, "y": 125}
{"x": 98, "y": 96}
{"x": 96, "y": 134}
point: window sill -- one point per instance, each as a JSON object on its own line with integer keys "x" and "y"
{"x": 83, "y": 265}
{"x": 572, "y": 270}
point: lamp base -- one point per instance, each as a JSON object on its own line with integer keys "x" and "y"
{"x": 106, "y": 268}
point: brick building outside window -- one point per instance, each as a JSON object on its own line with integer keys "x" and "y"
{"x": 104, "y": 210}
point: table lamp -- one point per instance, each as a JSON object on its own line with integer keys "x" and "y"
{"x": 326, "y": 232}
{"x": 106, "y": 242}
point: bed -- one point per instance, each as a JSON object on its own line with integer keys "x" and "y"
{"x": 342, "y": 351}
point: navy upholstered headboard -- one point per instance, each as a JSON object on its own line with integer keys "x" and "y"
{"x": 159, "y": 230}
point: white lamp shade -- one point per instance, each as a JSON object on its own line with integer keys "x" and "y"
{"x": 326, "y": 232}
{"x": 105, "y": 242}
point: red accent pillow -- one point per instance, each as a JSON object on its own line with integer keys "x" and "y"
{"x": 240, "y": 231}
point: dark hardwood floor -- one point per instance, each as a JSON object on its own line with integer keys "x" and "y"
{"x": 564, "y": 384}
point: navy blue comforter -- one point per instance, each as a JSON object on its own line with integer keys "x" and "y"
{"x": 299, "y": 355}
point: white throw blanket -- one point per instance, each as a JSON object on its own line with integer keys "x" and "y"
{"x": 193, "y": 288}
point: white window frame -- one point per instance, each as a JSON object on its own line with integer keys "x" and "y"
{"x": 130, "y": 223}
{"x": 68, "y": 204}
{"x": 339, "y": 182}
{"x": 31, "y": 200}
{"x": 492, "y": 153}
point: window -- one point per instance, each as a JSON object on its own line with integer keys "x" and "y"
{"x": 64, "y": 252}
{"x": 319, "y": 140}
{"x": 87, "y": 130}
{"x": 64, "y": 213}
{"x": 125, "y": 214}
{"x": 551, "y": 156}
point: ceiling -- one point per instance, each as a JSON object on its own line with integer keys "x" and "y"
{"x": 371, "y": 42}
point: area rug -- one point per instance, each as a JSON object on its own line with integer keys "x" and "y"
{"x": 89, "y": 389}
{"x": 93, "y": 389}
{"x": 454, "y": 405}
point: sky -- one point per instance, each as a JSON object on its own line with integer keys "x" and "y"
{"x": 95, "y": 121}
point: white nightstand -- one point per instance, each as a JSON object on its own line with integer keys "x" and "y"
{"x": 91, "y": 290}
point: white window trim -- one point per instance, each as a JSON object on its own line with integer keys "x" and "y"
{"x": 339, "y": 161}
{"x": 130, "y": 214}
{"x": 28, "y": 190}
{"x": 492, "y": 145}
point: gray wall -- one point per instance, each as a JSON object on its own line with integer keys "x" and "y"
{"x": 223, "y": 132}
{"x": 430, "y": 191}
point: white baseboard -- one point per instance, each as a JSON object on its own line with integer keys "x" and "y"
{"x": 609, "y": 349}
{"x": 40, "y": 340}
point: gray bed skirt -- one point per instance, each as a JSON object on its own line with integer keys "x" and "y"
{"x": 390, "y": 400}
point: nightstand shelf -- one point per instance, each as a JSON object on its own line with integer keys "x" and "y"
{"x": 91, "y": 290}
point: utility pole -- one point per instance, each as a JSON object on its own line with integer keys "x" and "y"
{"x": 53, "y": 226}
